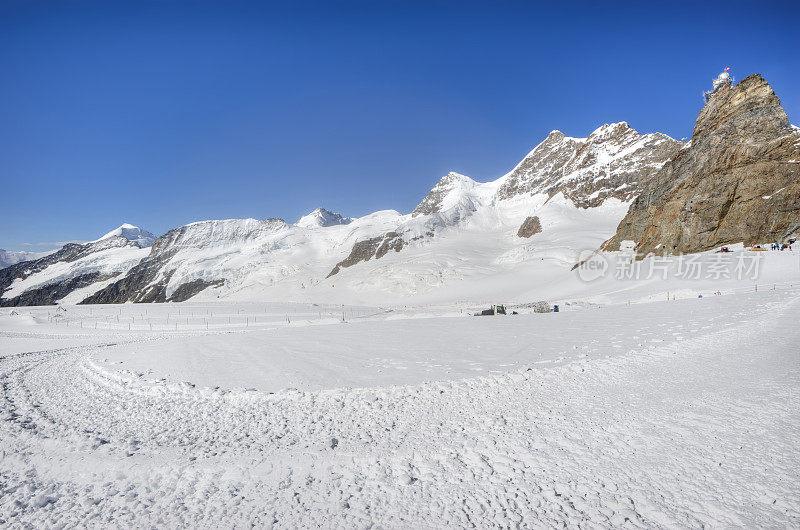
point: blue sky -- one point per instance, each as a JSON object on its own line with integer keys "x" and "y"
{"x": 164, "y": 113}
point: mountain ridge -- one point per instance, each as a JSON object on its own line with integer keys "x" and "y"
{"x": 564, "y": 193}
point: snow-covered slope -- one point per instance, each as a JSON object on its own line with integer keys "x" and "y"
{"x": 75, "y": 271}
{"x": 240, "y": 257}
{"x": 662, "y": 415}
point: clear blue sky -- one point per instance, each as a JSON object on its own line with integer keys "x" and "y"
{"x": 164, "y": 113}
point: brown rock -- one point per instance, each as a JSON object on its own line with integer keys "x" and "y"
{"x": 529, "y": 227}
{"x": 737, "y": 181}
{"x": 365, "y": 250}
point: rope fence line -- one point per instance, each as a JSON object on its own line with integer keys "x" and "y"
{"x": 197, "y": 319}
{"x": 116, "y": 319}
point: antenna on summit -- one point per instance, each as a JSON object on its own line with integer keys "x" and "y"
{"x": 723, "y": 79}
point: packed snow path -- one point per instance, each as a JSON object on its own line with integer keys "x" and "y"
{"x": 697, "y": 430}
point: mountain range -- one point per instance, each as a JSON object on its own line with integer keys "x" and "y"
{"x": 736, "y": 180}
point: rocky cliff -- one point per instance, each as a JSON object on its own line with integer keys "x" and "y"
{"x": 739, "y": 179}
{"x": 530, "y": 227}
{"x": 613, "y": 161}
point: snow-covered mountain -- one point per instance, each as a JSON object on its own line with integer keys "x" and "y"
{"x": 75, "y": 271}
{"x": 613, "y": 161}
{"x": 573, "y": 191}
{"x": 141, "y": 237}
{"x": 321, "y": 218}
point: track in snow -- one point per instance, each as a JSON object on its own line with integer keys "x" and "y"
{"x": 687, "y": 433}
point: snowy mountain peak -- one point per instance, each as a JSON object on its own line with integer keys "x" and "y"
{"x": 435, "y": 200}
{"x": 613, "y": 161}
{"x": 455, "y": 177}
{"x": 611, "y": 129}
{"x": 321, "y": 218}
{"x": 132, "y": 233}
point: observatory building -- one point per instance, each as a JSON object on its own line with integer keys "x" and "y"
{"x": 722, "y": 79}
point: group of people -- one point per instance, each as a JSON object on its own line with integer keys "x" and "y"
{"x": 784, "y": 246}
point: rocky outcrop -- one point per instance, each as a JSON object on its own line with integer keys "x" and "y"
{"x": 614, "y": 161}
{"x": 529, "y": 227}
{"x": 375, "y": 247}
{"x": 739, "y": 180}
{"x": 50, "y": 294}
{"x": 189, "y": 289}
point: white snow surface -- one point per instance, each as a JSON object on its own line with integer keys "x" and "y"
{"x": 131, "y": 233}
{"x": 661, "y": 414}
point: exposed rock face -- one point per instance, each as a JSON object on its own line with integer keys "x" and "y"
{"x": 529, "y": 227}
{"x": 614, "y": 161}
{"x": 739, "y": 180}
{"x": 50, "y": 294}
{"x": 189, "y": 289}
{"x": 365, "y": 250}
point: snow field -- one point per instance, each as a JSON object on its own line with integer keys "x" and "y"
{"x": 655, "y": 415}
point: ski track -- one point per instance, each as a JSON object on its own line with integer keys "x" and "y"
{"x": 687, "y": 433}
